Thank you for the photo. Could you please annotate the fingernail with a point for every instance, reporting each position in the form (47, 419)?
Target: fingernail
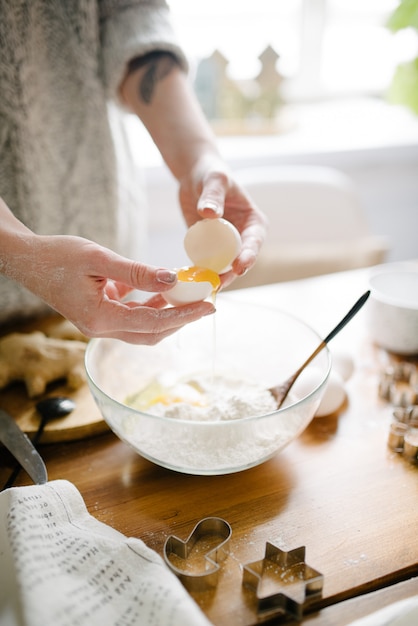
(211, 206)
(166, 276)
(247, 259)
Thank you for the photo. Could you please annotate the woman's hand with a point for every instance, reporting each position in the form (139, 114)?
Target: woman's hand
(209, 192)
(88, 284)
(175, 121)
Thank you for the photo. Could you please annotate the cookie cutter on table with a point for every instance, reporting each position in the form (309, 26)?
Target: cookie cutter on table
(291, 583)
(399, 384)
(403, 432)
(207, 527)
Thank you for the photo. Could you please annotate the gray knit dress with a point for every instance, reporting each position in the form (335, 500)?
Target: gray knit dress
(63, 164)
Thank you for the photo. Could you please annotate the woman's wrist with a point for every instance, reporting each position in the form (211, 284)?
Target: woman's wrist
(16, 245)
(165, 102)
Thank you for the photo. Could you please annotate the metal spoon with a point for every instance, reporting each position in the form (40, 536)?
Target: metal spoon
(50, 408)
(279, 392)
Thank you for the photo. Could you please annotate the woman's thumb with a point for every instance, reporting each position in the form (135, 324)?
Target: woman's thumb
(140, 275)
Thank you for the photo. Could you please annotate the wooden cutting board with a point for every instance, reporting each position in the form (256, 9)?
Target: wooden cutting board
(86, 419)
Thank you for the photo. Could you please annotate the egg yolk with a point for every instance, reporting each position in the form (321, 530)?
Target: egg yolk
(196, 274)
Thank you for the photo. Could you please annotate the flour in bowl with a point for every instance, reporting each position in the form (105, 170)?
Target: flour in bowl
(204, 398)
(208, 425)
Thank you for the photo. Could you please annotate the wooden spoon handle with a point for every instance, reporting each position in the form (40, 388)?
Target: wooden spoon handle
(352, 312)
(280, 392)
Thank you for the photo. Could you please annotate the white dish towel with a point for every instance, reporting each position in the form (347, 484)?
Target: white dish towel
(402, 613)
(59, 566)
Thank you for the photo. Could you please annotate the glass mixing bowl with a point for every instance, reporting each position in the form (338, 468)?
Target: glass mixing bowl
(262, 346)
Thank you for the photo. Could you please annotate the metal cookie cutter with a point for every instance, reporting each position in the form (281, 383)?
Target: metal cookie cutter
(403, 432)
(205, 529)
(283, 583)
(399, 384)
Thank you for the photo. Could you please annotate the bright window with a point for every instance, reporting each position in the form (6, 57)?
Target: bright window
(327, 48)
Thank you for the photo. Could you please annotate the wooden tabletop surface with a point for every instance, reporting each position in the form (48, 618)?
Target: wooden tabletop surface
(338, 489)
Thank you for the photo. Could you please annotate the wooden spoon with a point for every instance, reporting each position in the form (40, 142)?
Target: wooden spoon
(279, 392)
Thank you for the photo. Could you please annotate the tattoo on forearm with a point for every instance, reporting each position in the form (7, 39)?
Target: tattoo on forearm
(158, 65)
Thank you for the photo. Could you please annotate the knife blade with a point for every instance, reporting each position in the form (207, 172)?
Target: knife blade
(19, 444)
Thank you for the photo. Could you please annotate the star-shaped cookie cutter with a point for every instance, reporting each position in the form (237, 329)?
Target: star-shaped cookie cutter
(207, 528)
(283, 582)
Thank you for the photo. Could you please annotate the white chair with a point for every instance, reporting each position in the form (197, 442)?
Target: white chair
(317, 224)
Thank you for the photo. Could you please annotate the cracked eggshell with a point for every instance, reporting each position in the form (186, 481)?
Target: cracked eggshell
(187, 292)
(213, 243)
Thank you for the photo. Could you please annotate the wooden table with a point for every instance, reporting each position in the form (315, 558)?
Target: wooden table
(338, 490)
